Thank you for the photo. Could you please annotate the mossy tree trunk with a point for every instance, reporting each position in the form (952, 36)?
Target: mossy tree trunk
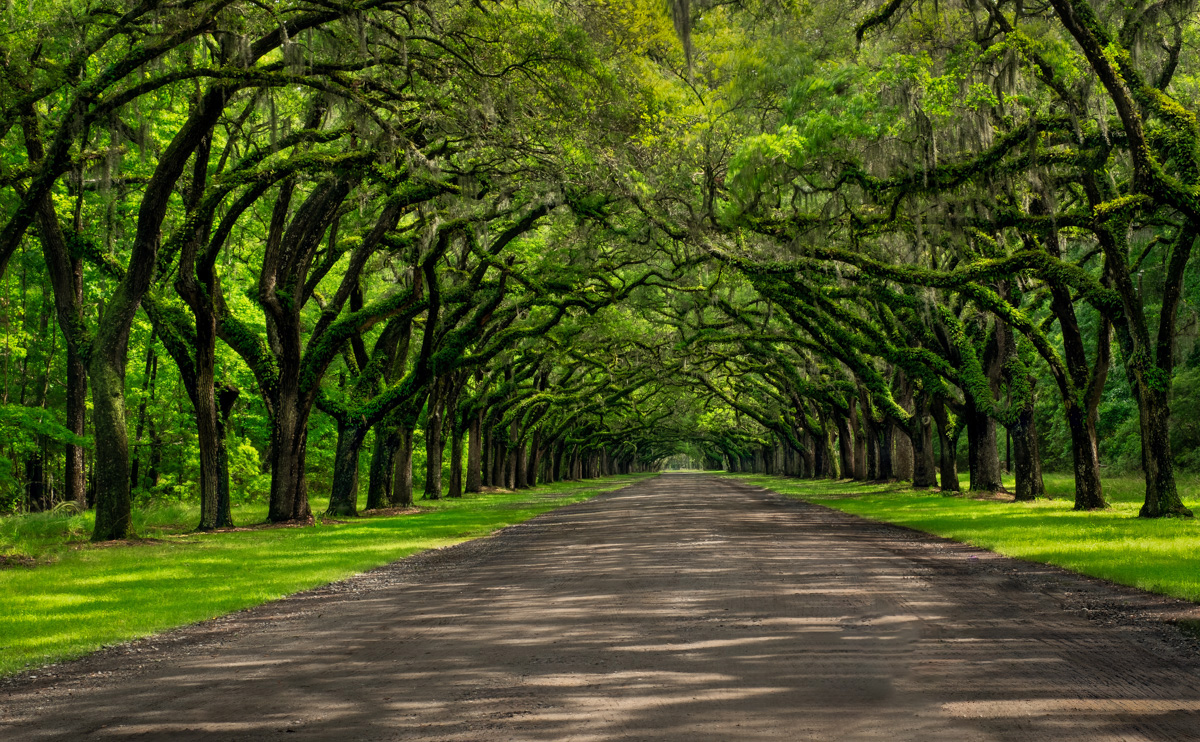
(107, 360)
(402, 492)
(921, 435)
(343, 498)
(948, 433)
(380, 480)
(289, 441)
(475, 448)
(65, 271)
(535, 458)
(434, 444)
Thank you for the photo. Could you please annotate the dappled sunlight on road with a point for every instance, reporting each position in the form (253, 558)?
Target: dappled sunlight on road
(683, 608)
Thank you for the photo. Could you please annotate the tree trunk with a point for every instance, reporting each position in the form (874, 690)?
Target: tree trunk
(433, 453)
(498, 457)
(1088, 492)
(948, 443)
(402, 479)
(456, 461)
(343, 498)
(556, 470)
(485, 466)
(860, 443)
(510, 462)
(1028, 459)
(148, 389)
(208, 439)
(226, 398)
(475, 464)
(383, 455)
(924, 471)
(845, 447)
(535, 459)
(902, 458)
(37, 494)
(75, 489)
(156, 449)
(66, 277)
(289, 444)
(984, 457)
(1080, 388)
(114, 508)
(887, 471)
(1162, 494)
(521, 472)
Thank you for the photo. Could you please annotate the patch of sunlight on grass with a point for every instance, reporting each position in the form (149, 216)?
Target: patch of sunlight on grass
(84, 597)
(1161, 556)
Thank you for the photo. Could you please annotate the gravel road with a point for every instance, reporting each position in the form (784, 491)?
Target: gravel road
(684, 607)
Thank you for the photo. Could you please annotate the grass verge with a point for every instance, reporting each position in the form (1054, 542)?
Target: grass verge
(91, 596)
(1162, 556)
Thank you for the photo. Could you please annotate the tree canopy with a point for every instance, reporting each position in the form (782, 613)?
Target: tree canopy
(253, 249)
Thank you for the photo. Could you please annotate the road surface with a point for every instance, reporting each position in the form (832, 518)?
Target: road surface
(684, 607)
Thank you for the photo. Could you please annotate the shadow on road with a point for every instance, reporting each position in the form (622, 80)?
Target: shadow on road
(681, 608)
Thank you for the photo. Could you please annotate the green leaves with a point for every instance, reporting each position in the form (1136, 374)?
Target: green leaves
(25, 423)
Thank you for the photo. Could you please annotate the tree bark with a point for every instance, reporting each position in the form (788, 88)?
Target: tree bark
(456, 461)
(1088, 493)
(114, 507)
(860, 443)
(948, 442)
(887, 470)
(486, 466)
(510, 462)
(1026, 456)
(289, 442)
(434, 443)
(343, 497)
(475, 454)
(209, 441)
(984, 457)
(1162, 494)
(521, 470)
(148, 389)
(380, 481)
(556, 469)
(499, 458)
(402, 479)
(75, 489)
(535, 459)
(1081, 386)
(227, 397)
(111, 340)
(1153, 391)
(924, 471)
(845, 446)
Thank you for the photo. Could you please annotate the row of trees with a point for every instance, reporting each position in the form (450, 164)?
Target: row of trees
(945, 216)
(376, 212)
(557, 239)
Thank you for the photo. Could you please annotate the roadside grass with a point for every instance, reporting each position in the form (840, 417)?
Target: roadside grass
(1161, 556)
(89, 596)
(41, 537)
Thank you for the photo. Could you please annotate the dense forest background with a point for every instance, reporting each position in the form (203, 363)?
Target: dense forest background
(376, 249)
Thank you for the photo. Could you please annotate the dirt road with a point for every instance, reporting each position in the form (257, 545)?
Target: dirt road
(681, 608)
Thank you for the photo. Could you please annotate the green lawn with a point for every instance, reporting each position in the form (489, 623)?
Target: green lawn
(81, 597)
(1162, 556)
